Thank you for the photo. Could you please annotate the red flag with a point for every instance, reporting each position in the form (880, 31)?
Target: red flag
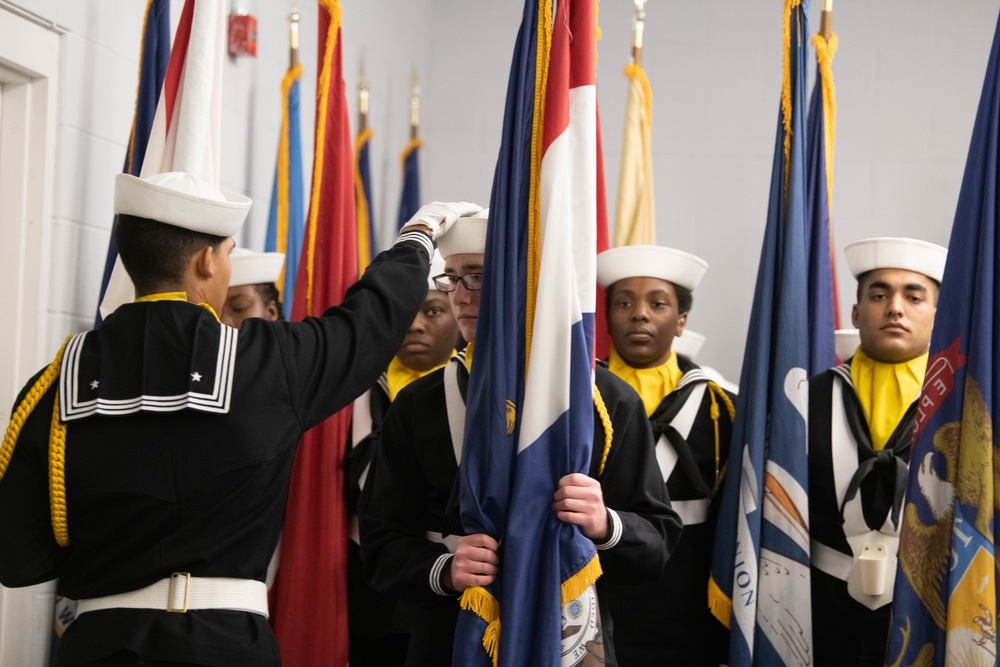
(602, 339)
(309, 597)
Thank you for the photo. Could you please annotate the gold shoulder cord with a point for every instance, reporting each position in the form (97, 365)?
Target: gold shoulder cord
(57, 445)
(713, 391)
(609, 432)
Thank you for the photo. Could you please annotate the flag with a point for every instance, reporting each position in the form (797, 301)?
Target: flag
(309, 596)
(635, 217)
(760, 569)
(285, 218)
(363, 200)
(409, 201)
(530, 414)
(823, 316)
(154, 52)
(602, 338)
(944, 608)
(186, 129)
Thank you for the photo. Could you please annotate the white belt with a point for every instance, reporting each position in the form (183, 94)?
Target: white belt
(181, 592)
(835, 563)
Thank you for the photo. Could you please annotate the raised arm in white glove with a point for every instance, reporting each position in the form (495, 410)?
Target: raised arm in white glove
(438, 216)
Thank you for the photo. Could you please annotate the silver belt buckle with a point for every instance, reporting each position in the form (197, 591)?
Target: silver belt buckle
(174, 577)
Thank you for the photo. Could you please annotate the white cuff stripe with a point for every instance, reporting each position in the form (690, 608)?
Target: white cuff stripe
(443, 561)
(420, 237)
(616, 532)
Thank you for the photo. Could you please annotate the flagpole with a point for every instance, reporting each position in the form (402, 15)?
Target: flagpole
(414, 104)
(638, 28)
(293, 36)
(363, 88)
(825, 19)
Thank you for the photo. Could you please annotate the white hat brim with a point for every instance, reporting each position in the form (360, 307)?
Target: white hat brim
(896, 253)
(846, 342)
(139, 197)
(465, 236)
(688, 344)
(255, 268)
(634, 261)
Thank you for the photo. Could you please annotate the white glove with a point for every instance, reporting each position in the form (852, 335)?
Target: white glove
(440, 216)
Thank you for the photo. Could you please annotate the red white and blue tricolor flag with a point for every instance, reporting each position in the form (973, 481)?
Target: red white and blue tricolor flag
(760, 584)
(530, 412)
(944, 608)
(286, 218)
(153, 56)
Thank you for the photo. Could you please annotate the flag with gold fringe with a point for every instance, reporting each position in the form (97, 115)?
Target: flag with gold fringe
(635, 216)
(285, 220)
(363, 199)
(944, 608)
(409, 200)
(530, 413)
(760, 582)
(309, 597)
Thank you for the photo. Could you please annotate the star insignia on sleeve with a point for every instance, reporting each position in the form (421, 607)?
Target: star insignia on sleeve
(94, 384)
(196, 377)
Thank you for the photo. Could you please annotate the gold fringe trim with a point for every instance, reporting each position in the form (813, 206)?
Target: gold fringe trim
(480, 602)
(284, 159)
(609, 431)
(364, 242)
(825, 50)
(786, 89)
(719, 603)
(637, 73)
(332, 7)
(588, 575)
(542, 56)
(410, 147)
(713, 391)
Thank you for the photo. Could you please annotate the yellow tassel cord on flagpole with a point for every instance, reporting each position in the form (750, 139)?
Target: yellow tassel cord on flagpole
(57, 436)
(534, 201)
(713, 391)
(609, 431)
(825, 50)
(637, 73)
(719, 603)
(284, 160)
(786, 90)
(480, 602)
(333, 9)
(364, 243)
(410, 147)
(135, 107)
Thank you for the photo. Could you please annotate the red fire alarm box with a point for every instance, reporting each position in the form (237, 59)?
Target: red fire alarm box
(242, 35)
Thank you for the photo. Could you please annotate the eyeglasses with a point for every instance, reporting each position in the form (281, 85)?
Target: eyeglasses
(447, 282)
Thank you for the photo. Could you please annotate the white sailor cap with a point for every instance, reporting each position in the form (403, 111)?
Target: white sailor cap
(437, 268)
(651, 261)
(688, 344)
(254, 268)
(846, 342)
(182, 200)
(896, 253)
(466, 235)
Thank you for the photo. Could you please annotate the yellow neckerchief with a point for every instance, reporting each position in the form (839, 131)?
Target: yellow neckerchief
(652, 384)
(468, 358)
(175, 296)
(886, 391)
(398, 375)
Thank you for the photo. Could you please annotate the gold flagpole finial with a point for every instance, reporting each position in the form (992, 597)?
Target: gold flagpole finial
(363, 88)
(638, 28)
(293, 36)
(826, 20)
(414, 103)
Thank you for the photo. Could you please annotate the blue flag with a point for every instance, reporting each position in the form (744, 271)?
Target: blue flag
(819, 149)
(944, 608)
(530, 417)
(760, 569)
(154, 55)
(363, 204)
(409, 201)
(286, 218)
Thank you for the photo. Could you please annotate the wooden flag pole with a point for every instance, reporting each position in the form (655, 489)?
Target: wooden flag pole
(638, 28)
(293, 36)
(826, 20)
(414, 104)
(363, 89)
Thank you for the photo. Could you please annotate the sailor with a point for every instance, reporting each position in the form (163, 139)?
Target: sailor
(253, 289)
(649, 296)
(147, 467)
(412, 541)
(380, 624)
(861, 424)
